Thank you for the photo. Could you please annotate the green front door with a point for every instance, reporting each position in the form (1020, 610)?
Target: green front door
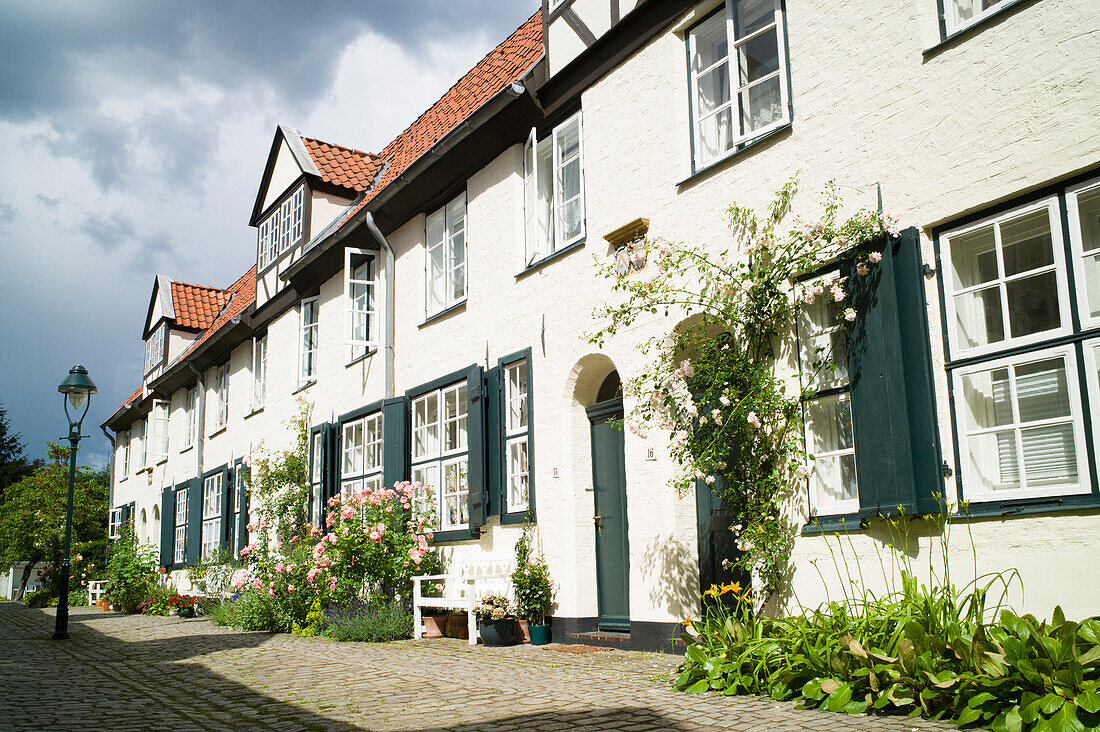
(609, 490)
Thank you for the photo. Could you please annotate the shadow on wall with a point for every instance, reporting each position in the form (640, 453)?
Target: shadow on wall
(670, 565)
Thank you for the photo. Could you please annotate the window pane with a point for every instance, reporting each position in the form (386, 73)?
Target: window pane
(1033, 304)
(1026, 243)
(715, 135)
(834, 480)
(993, 460)
(713, 88)
(973, 258)
(436, 225)
(709, 41)
(569, 180)
(979, 317)
(758, 58)
(988, 399)
(517, 475)
(1050, 457)
(1042, 390)
(761, 105)
(752, 15)
(829, 422)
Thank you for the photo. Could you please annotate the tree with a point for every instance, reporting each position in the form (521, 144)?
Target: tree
(32, 518)
(13, 463)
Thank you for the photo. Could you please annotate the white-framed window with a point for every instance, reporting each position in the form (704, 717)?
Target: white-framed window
(180, 538)
(827, 414)
(160, 431)
(516, 437)
(1007, 280)
(445, 268)
(553, 190)
(1020, 425)
(361, 463)
(738, 76)
(1083, 206)
(114, 523)
(1092, 379)
(440, 456)
(155, 348)
(221, 390)
(125, 439)
(316, 474)
(142, 428)
(360, 292)
(960, 14)
(307, 341)
(211, 513)
(237, 498)
(192, 409)
(282, 228)
(259, 372)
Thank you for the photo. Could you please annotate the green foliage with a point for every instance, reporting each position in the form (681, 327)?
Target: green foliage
(132, 571)
(39, 598)
(377, 619)
(211, 575)
(713, 385)
(78, 597)
(531, 581)
(924, 650)
(13, 461)
(494, 607)
(32, 516)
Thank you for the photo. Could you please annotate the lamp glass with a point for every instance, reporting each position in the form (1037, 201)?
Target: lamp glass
(76, 398)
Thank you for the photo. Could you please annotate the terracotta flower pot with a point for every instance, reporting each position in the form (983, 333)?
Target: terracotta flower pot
(435, 625)
(522, 634)
(457, 626)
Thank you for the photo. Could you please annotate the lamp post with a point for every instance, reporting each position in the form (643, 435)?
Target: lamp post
(78, 389)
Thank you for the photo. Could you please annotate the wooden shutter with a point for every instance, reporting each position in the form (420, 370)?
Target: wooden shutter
(331, 476)
(476, 438)
(889, 366)
(395, 441)
(167, 525)
(495, 454)
(226, 529)
(194, 521)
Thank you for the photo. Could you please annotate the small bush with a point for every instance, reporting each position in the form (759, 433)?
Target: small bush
(38, 598)
(131, 571)
(78, 597)
(374, 620)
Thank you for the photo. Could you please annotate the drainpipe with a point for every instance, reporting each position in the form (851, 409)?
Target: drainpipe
(387, 338)
(200, 421)
(110, 472)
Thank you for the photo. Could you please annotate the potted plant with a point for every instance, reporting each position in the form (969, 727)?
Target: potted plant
(497, 616)
(534, 590)
(435, 619)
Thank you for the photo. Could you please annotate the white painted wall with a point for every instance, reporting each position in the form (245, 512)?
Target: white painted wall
(285, 171)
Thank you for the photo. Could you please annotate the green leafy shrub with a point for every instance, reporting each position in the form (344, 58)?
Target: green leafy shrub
(377, 619)
(531, 581)
(924, 649)
(131, 571)
(78, 597)
(38, 598)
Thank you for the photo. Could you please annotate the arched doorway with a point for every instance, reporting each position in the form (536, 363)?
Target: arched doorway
(609, 496)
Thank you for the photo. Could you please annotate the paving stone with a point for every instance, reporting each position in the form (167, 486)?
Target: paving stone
(139, 672)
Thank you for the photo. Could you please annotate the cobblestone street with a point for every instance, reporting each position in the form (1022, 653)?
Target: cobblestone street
(135, 672)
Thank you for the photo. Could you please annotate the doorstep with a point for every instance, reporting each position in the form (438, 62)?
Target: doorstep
(614, 636)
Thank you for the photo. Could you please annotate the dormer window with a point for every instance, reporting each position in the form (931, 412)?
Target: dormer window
(282, 228)
(154, 348)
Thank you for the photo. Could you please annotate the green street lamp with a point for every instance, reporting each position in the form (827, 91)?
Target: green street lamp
(78, 389)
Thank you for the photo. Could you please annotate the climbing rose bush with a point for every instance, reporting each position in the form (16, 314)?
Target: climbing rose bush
(373, 543)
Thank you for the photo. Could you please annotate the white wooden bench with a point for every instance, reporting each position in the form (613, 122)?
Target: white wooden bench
(97, 590)
(462, 588)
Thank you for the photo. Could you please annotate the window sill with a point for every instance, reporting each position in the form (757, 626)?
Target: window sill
(254, 412)
(835, 524)
(458, 306)
(955, 35)
(217, 432)
(303, 386)
(186, 449)
(551, 257)
(730, 157)
(162, 461)
(370, 352)
(517, 517)
(1025, 506)
(451, 535)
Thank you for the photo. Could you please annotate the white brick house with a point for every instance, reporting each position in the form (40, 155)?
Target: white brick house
(451, 274)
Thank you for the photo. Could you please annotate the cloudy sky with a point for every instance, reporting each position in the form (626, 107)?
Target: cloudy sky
(132, 139)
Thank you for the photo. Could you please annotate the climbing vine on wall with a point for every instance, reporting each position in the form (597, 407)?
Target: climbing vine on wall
(714, 385)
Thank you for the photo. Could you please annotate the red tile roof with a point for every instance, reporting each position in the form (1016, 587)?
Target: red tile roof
(503, 65)
(343, 166)
(242, 294)
(132, 397)
(197, 305)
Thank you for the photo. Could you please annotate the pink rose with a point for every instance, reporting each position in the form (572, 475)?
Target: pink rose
(290, 588)
(874, 257)
(347, 511)
(753, 420)
(849, 315)
(804, 471)
(438, 587)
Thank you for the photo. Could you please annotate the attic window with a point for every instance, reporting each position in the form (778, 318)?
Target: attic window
(282, 229)
(154, 349)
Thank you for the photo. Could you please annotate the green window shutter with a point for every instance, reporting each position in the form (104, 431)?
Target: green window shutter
(226, 531)
(194, 521)
(242, 506)
(167, 525)
(476, 439)
(494, 441)
(395, 441)
(889, 368)
(331, 479)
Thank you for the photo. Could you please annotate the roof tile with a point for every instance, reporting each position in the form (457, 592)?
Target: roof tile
(343, 166)
(197, 305)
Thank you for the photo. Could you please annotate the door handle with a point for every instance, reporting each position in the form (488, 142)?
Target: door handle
(599, 523)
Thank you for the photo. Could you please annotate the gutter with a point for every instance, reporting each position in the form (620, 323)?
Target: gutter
(457, 134)
(110, 468)
(200, 420)
(387, 342)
